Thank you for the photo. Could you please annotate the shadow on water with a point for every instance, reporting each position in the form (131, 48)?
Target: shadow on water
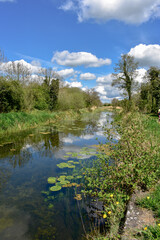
(28, 209)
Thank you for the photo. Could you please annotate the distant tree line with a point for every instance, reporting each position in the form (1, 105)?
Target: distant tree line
(21, 90)
(145, 96)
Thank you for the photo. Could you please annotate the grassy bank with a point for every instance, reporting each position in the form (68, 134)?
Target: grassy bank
(123, 167)
(17, 121)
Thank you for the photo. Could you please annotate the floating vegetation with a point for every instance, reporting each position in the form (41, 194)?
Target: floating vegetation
(12, 150)
(71, 185)
(71, 161)
(64, 182)
(51, 197)
(69, 177)
(45, 133)
(78, 197)
(50, 206)
(69, 153)
(76, 163)
(79, 177)
(31, 135)
(51, 180)
(55, 188)
(45, 192)
(61, 178)
(65, 165)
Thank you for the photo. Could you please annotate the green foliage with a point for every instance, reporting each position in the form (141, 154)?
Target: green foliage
(124, 76)
(150, 91)
(65, 165)
(149, 233)
(152, 202)
(11, 93)
(71, 98)
(122, 167)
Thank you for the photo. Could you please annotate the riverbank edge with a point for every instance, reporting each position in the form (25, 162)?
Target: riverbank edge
(17, 121)
(126, 232)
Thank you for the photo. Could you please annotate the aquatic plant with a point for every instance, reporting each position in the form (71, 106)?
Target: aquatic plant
(65, 165)
(78, 197)
(69, 177)
(76, 163)
(64, 182)
(78, 177)
(51, 180)
(61, 178)
(55, 188)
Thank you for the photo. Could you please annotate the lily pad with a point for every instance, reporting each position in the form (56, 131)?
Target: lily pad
(61, 178)
(78, 177)
(51, 180)
(76, 163)
(55, 188)
(69, 177)
(65, 165)
(69, 153)
(64, 182)
(78, 197)
(50, 205)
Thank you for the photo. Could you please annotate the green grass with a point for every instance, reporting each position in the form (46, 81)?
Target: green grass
(22, 120)
(16, 121)
(152, 202)
(151, 233)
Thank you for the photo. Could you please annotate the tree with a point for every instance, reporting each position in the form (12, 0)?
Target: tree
(11, 95)
(154, 79)
(125, 73)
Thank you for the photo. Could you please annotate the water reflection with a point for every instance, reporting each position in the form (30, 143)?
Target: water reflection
(27, 160)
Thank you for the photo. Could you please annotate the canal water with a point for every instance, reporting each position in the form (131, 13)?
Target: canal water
(29, 210)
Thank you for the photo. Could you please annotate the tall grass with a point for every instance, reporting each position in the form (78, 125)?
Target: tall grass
(14, 121)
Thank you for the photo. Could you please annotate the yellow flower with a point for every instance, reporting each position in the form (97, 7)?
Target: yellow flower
(159, 224)
(148, 197)
(117, 203)
(145, 228)
(109, 212)
(104, 215)
(111, 195)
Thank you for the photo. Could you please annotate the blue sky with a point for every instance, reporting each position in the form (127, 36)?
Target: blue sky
(82, 39)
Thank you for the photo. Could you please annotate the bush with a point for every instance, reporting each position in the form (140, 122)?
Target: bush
(11, 93)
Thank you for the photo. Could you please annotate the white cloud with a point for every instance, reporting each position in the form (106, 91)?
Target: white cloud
(75, 59)
(73, 84)
(66, 73)
(87, 76)
(69, 5)
(101, 90)
(140, 76)
(146, 55)
(9, 65)
(107, 79)
(134, 12)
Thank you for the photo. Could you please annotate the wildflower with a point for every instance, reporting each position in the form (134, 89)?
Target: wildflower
(104, 215)
(159, 224)
(148, 197)
(109, 212)
(111, 195)
(145, 228)
(117, 203)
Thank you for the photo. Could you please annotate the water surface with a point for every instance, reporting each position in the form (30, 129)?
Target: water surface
(28, 210)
